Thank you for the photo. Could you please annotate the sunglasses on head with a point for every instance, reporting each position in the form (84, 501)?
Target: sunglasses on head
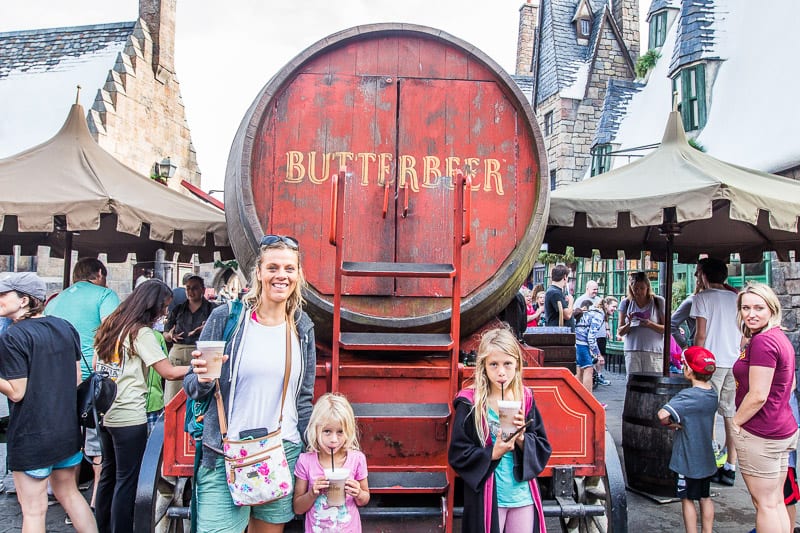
(291, 242)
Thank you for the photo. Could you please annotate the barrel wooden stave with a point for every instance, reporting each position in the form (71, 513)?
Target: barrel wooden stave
(646, 444)
(417, 93)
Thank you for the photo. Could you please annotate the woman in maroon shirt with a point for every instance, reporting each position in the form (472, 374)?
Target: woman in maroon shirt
(764, 428)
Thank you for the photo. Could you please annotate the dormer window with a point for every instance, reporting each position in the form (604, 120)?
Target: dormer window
(690, 84)
(582, 19)
(584, 28)
(658, 30)
(601, 160)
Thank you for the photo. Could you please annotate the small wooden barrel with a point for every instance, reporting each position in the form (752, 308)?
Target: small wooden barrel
(646, 444)
(401, 108)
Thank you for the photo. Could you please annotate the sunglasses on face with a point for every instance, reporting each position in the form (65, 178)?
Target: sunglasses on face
(291, 242)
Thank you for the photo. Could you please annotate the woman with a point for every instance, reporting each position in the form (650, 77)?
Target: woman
(641, 319)
(605, 307)
(764, 428)
(255, 370)
(126, 347)
(39, 369)
(536, 310)
(183, 327)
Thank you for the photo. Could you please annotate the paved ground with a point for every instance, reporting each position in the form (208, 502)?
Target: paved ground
(734, 510)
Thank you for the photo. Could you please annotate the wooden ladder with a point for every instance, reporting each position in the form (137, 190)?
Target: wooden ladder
(413, 474)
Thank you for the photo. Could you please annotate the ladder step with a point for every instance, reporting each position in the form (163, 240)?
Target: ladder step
(401, 410)
(398, 270)
(398, 342)
(417, 482)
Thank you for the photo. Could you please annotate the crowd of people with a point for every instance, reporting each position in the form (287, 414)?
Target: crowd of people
(738, 360)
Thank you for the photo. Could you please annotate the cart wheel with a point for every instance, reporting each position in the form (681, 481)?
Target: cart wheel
(609, 491)
(156, 494)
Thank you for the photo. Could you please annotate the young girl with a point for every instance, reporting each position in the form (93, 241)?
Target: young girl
(498, 475)
(331, 432)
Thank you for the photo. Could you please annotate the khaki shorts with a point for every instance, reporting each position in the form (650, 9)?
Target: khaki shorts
(764, 458)
(725, 385)
(637, 362)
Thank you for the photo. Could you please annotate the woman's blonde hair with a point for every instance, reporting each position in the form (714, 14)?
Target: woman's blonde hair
(253, 297)
(603, 303)
(332, 407)
(494, 340)
(768, 295)
(639, 277)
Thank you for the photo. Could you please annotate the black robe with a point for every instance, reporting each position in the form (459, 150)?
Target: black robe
(472, 460)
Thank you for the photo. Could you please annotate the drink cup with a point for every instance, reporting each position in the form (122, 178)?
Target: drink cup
(507, 410)
(337, 479)
(211, 352)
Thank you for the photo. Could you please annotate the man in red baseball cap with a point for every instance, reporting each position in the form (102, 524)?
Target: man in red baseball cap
(691, 414)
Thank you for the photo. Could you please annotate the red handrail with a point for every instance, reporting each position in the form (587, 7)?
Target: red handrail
(467, 192)
(334, 205)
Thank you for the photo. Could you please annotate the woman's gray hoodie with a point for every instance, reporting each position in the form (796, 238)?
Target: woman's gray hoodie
(213, 331)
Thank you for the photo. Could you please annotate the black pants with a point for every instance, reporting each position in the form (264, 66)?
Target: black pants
(123, 449)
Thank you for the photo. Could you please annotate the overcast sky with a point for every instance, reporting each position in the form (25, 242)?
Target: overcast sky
(226, 51)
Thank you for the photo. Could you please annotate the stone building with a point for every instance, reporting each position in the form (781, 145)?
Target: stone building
(730, 67)
(127, 74)
(129, 86)
(568, 52)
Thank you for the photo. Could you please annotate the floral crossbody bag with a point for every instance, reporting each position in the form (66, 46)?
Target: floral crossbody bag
(256, 469)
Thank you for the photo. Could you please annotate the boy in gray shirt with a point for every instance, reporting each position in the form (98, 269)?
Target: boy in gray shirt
(691, 414)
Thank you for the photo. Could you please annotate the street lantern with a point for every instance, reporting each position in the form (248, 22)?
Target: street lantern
(165, 169)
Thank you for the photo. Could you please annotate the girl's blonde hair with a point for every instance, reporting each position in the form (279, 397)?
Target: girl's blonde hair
(332, 407)
(494, 340)
(253, 297)
(768, 295)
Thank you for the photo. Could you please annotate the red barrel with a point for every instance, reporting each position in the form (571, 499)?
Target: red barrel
(408, 106)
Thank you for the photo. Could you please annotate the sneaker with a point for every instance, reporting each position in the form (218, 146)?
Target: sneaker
(603, 405)
(68, 520)
(601, 379)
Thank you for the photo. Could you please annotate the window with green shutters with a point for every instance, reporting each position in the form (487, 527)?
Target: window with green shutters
(690, 84)
(601, 161)
(658, 30)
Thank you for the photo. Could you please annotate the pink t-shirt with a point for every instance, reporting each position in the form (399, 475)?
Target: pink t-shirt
(321, 518)
(771, 349)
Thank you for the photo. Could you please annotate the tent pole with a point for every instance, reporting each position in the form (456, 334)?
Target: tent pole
(668, 303)
(67, 259)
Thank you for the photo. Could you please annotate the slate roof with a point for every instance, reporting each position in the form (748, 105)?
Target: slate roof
(696, 37)
(22, 51)
(658, 5)
(39, 72)
(615, 107)
(560, 56)
(525, 84)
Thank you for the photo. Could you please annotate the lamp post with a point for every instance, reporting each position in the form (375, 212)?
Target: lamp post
(164, 170)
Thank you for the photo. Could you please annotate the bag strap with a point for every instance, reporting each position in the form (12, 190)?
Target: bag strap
(223, 421)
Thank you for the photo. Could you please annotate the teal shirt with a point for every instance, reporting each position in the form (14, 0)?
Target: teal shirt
(84, 305)
(510, 492)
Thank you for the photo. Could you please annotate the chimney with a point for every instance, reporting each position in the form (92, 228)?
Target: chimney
(526, 39)
(626, 15)
(159, 15)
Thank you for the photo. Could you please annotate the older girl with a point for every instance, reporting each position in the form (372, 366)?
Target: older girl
(255, 372)
(764, 428)
(500, 490)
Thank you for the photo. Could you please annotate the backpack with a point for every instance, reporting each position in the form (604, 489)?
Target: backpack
(196, 409)
(516, 315)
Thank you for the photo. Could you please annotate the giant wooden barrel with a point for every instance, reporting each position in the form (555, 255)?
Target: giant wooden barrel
(646, 444)
(408, 105)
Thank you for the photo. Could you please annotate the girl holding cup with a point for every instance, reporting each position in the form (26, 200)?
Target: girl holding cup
(499, 472)
(332, 442)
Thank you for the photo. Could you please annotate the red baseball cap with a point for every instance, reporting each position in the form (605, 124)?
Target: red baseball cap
(700, 360)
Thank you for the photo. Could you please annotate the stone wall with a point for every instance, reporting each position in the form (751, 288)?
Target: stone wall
(139, 116)
(526, 38)
(786, 283)
(626, 15)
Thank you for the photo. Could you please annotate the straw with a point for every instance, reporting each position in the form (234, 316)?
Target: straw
(502, 391)
(332, 465)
